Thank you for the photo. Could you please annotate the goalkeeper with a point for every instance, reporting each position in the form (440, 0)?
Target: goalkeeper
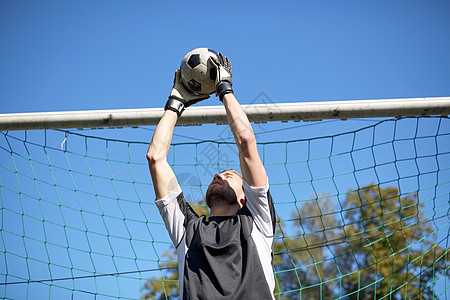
(228, 256)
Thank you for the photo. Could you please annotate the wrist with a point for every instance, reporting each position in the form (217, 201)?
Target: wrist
(175, 104)
(223, 88)
(228, 97)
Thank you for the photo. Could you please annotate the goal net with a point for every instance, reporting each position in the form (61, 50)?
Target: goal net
(362, 209)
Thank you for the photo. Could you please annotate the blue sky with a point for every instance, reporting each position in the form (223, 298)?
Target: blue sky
(86, 55)
(76, 55)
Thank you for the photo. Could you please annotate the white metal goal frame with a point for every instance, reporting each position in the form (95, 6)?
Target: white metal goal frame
(259, 113)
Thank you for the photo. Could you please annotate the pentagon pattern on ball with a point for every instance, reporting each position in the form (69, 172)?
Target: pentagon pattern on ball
(197, 72)
(194, 60)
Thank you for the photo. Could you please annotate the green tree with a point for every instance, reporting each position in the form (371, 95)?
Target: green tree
(392, 249)
(377, 244)
(303, 262)
(165, 287)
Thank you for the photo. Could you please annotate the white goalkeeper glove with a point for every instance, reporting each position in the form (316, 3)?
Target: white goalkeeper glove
(180, 97)
(223, 78)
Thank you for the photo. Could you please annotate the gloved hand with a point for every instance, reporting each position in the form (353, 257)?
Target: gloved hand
(180, 97)
(223, 79)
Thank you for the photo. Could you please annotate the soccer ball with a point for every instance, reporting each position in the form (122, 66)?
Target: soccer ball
(197, 72)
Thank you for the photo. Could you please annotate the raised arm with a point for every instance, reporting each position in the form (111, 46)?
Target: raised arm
(163, 177)
(252, 169)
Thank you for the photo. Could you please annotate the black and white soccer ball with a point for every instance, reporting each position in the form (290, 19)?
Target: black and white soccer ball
(197, 72)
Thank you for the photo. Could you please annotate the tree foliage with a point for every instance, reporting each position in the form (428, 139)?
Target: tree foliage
(376, 243)
(391, 248)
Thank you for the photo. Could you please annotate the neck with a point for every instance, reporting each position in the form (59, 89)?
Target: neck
(224, 210)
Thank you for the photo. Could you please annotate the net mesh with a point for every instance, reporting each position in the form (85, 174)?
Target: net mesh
(361, 214)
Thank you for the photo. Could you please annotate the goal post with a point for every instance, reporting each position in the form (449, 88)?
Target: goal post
(260, 113)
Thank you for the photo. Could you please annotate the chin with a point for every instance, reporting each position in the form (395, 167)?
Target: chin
(220, 195)
(213, 188)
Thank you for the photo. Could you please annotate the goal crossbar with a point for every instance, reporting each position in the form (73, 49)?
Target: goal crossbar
(258, 113)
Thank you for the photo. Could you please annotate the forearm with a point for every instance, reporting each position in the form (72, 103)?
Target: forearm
(239, 124)
(159, 146)
(163, 178)
(252, 169)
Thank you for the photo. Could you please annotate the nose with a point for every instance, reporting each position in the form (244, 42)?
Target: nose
(217, 177)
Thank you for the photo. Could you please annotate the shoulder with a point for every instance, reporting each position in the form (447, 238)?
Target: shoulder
(260, 204)
(174, 205)
(173, 195)
(254, 193)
